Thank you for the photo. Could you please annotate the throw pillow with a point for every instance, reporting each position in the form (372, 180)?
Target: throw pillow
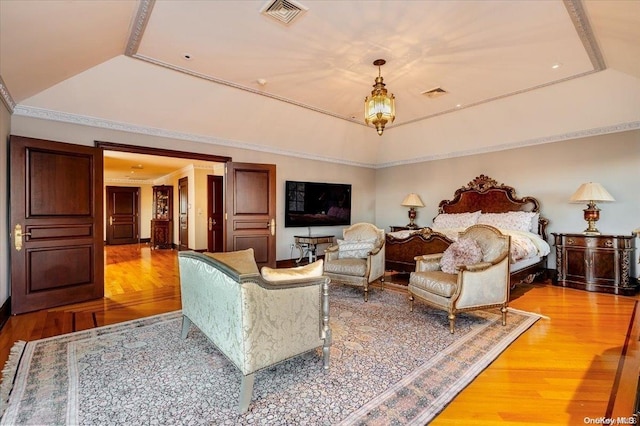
(311, 270)
(456, 220)
(463, 252)
(242, 261)
(355, 249)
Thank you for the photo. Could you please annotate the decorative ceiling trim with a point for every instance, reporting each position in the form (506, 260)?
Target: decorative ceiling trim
(7, 100)
(138, 26)
(44, 114)
(583, 28)
(622, 127)
(574, 8)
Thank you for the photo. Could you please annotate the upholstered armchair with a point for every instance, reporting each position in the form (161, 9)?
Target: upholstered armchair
(256, 320)
(357, 259)
(473, 273)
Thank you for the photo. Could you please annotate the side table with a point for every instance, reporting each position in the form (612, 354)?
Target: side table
(595, 262)
(307, 244)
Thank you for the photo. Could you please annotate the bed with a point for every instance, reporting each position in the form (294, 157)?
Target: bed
(483, 200)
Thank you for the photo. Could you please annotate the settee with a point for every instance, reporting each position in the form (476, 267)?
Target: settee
(256, 320)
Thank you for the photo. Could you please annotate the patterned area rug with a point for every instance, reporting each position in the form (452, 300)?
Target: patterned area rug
(388, 366)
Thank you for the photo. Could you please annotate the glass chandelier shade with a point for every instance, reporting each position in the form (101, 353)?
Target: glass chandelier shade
(380, 107)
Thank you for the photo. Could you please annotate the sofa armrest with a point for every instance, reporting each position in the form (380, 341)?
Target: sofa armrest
(428, 262)
(292, 283)
(476, 267)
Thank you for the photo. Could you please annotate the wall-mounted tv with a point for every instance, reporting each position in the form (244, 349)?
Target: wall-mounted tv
(317, 204)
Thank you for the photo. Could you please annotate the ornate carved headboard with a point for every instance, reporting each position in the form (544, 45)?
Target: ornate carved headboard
(487, 195)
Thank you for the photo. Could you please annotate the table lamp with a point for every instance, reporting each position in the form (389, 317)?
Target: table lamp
(412, 201)
(591, 193)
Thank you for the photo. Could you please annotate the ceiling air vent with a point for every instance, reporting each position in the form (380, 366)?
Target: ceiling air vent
(283, 11)
(435, 92)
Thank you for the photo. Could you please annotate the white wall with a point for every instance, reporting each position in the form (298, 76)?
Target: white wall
(5, 128)
(550, 172)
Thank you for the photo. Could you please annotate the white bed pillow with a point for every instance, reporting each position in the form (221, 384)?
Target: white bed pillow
(456, 220)
(517, 221)
(355, 249)
(535, 222)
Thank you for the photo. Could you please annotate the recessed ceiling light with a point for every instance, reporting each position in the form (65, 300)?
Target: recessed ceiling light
(556, 66)
(261, 81)
(458, 105)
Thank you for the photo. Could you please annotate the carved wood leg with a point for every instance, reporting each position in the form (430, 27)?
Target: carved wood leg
(410, 302)
(325, 326)
(504, 315)
(452, 322)
(382, 282)
(246, 390)
(186, 323)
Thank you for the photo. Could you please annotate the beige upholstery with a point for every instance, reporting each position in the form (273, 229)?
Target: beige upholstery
(358, 271)
(478, 286)
(254, 322)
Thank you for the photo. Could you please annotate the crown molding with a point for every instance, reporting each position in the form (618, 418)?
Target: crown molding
(583, 28)
(7, 100)
(138, 26)
(46, 114)
(129, 181)
(622, 127)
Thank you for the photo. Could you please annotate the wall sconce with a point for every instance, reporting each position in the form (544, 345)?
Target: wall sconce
(412, 200)
(590, 193)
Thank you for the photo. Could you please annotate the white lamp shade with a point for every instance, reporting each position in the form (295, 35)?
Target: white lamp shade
(412, 200)
(591, 192)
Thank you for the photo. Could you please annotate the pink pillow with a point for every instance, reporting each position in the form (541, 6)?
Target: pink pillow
(463, 252)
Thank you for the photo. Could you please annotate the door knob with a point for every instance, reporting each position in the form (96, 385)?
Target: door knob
(17, 237)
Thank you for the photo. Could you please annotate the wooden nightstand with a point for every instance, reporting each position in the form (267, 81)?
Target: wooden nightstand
(595, 262)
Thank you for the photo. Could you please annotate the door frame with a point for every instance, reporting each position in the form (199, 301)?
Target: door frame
(215, 208)
(161, 152)
(183, 231)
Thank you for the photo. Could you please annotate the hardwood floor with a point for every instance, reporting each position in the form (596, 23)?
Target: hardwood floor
(579, 362)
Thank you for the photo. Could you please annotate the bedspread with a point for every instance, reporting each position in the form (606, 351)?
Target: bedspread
(524, 245)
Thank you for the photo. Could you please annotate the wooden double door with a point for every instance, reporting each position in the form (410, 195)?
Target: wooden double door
(56, 219)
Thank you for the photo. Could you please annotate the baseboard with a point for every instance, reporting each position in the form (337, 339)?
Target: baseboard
(5, 312)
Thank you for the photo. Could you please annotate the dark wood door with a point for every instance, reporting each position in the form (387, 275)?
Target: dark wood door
(123, 215)
(56, 210)
(215, 213)
(183, 213)
(251, 210)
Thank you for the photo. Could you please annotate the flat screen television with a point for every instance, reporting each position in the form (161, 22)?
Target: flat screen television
(317, 204)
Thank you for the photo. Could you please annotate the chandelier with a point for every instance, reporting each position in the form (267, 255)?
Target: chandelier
(379, 108)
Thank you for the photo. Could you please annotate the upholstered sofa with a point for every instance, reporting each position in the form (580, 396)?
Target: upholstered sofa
(256, 320)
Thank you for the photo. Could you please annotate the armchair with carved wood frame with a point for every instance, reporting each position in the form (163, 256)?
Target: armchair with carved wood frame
(358, 259)
(476, 286)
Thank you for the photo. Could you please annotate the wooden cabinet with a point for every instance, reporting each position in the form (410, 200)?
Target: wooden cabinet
(595, 262)
(162, 217)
